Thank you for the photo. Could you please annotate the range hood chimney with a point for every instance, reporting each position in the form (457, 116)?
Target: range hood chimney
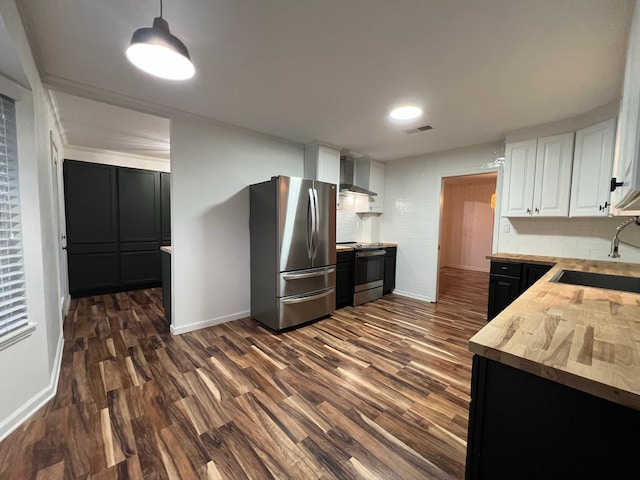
(348, 178)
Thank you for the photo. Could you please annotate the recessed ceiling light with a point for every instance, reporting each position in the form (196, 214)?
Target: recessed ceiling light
(407, 112)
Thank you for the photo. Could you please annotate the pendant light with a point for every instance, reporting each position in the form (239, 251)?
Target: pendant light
(155, 51)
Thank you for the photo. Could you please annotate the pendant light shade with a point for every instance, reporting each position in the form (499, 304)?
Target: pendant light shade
(155, 51)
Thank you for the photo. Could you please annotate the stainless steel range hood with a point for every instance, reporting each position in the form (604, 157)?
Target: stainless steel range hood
(348, 178)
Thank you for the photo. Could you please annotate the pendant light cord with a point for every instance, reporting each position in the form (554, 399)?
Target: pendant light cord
(160, 8)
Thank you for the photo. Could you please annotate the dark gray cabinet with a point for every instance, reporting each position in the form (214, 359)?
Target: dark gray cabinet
(523, 427)
(165, 208)
(389, 270)
(344, 278)
(508, 280)
(91, 203)
(114, 227)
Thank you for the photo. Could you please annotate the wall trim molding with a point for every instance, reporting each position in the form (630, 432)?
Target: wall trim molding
(22, 414)
(178, 330)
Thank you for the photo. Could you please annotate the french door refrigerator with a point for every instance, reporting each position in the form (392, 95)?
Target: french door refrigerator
(293, 251)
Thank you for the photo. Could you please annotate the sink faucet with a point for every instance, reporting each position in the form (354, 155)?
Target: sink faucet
(614, 243)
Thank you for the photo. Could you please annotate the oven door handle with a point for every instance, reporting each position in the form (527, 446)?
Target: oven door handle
(371, 253)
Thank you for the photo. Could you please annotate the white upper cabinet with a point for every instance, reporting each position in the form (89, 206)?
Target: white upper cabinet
(592, 165)
(552, 184)
(627, 161)
(538, 177)
(370, 174)
(519, 171)
(322, 162)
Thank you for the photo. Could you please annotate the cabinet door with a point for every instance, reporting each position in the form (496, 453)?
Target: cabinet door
(140, 268)
(389, 271)
(519, 171)
(628, 144)
(344, 285)
(531, 273)
(552, 184)
(328, 165)
(91, 203)
(139, 205)
(502, 291)
(93, 271)
(592, 170)
(165, 208)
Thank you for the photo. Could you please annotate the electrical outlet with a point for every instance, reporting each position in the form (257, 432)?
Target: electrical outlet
(506, 228)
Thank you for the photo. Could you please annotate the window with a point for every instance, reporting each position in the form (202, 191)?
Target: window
(14, 323)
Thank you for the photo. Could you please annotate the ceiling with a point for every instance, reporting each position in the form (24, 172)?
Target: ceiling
(331, 70)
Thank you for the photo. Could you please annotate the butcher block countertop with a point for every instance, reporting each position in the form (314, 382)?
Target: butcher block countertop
(583, 337)
(343, 248)
(166, 249)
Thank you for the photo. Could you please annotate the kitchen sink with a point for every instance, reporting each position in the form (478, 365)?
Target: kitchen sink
(599, 280)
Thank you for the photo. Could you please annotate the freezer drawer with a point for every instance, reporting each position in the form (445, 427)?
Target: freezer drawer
(304, 308)
(302, 281)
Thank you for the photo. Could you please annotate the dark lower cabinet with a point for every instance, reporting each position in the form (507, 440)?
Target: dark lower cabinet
(140, 268)
(508, 280)
(389, 270)
(114, 227)
(93, 272)
(344, 278)
(523, 427)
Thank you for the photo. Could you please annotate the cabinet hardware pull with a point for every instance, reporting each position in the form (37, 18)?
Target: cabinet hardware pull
(606, 204)
(528, 210)
(615, 184)
(537, 210)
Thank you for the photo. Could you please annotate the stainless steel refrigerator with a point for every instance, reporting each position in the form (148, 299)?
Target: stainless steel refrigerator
(293, 251)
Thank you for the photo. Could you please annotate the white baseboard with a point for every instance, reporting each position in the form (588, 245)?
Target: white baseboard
(177, 330)
(32, 405)
(66, 302)
(413, 295)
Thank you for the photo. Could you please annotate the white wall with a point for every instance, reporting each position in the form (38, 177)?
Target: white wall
(211, 168)
(29, 369)
(412, 211)
(116, 158)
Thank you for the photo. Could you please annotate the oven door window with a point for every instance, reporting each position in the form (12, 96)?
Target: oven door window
(369, 268)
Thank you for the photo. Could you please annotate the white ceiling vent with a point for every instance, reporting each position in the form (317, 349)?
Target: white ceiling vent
(420, 129)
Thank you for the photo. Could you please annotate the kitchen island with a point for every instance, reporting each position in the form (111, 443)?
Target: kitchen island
(556, 381)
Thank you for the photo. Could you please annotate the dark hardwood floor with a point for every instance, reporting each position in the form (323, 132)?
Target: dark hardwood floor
(377, 391)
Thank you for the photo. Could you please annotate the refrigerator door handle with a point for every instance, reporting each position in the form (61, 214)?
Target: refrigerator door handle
(291, 301)
(311, 215)
(312, 233)
(317, 229)
(299, 276)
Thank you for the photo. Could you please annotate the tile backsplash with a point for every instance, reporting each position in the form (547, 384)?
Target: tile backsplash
(588, 238)
(352, 226)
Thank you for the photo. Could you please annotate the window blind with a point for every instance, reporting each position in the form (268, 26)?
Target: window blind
(13, 302)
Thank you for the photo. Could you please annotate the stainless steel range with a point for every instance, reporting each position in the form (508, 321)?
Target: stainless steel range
(368, 272)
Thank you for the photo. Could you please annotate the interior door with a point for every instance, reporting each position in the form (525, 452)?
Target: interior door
(325, 235)
(295, 221)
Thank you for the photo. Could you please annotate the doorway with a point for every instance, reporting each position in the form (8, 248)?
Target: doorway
(466, 237)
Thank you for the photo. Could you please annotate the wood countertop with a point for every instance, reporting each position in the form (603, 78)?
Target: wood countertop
(166, 249)
(583, 337)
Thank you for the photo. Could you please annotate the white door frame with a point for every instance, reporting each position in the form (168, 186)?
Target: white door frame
(496, 212)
